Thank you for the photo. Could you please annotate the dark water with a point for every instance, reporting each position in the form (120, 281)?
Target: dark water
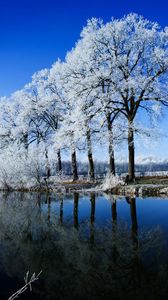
(88, 246)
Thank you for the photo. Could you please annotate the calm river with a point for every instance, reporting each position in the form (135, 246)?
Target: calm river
(88, 246)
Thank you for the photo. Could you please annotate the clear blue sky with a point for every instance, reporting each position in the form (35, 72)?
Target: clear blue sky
(34, 33)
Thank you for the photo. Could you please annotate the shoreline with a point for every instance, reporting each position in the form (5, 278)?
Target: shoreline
(126, 190)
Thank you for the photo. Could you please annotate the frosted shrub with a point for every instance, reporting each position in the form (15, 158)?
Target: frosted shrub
(59, 177)
(111, 182)
(18, 170)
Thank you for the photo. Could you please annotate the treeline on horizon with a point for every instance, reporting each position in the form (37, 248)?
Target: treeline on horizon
(102, 168)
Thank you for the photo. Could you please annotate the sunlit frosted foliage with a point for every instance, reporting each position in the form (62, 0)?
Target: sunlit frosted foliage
(116, 73)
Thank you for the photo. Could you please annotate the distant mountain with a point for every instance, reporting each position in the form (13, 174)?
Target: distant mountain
(143, 164)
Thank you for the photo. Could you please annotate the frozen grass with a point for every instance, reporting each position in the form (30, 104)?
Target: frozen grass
(111, 182)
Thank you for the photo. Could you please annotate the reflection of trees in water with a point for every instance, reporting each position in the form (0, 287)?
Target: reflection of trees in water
(76, 200)
(107, 264)
(114, 210)
(133, 213)
(92, 216)
(61, 209)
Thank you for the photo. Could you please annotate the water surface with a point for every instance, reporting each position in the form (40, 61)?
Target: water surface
(88, 245)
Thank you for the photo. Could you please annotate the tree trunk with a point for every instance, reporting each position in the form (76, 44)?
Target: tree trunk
(38, 165)
(90, 157)
(74, 165)
(131, 153)
(59, 161)
(111, 147)
(24, 140)
(48, 171)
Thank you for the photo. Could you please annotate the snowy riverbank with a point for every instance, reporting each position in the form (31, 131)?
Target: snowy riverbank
(66, 187)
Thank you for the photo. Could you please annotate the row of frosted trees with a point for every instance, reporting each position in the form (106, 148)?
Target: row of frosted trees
(115, 73)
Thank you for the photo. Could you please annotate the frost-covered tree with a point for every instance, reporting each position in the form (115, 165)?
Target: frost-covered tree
(44, 113)
(115, 73)
(90, 70)
(14, 119)
(68, 136)
(138, 50)
(84, 109)
(128, 64)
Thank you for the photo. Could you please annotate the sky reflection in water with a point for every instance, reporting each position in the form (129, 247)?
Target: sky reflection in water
(88, 245)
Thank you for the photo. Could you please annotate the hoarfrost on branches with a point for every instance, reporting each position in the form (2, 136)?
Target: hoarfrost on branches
(116, 73)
